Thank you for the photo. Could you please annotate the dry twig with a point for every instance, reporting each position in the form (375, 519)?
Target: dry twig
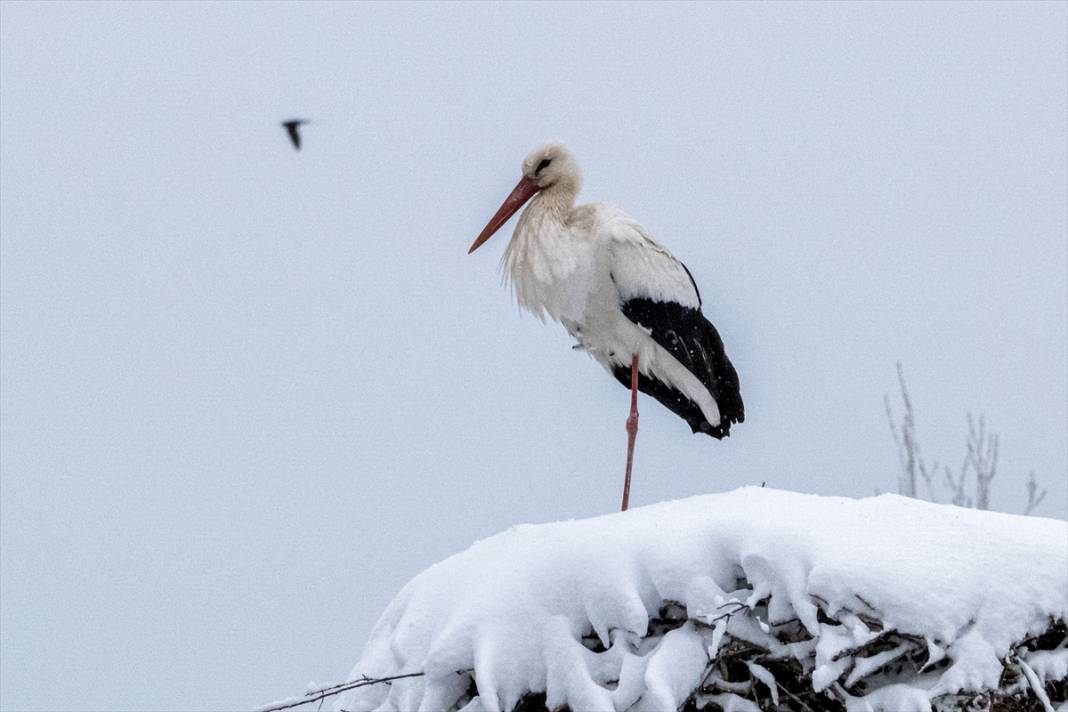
(323, 693)
(1034, 497)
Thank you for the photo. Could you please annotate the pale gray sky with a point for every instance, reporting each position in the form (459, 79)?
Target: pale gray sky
(248, 393)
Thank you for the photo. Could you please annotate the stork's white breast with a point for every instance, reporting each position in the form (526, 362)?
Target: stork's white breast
(556, 269)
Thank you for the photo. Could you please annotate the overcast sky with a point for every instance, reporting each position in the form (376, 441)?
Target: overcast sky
(247, 393)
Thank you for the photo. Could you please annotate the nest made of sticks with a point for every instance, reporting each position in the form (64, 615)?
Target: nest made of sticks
(761, 665)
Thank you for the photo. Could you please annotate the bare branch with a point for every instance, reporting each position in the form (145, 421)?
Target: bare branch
(908, 450)
(982, 449)
(321, 694)
(1034, 497)
(983, 454)
(794, 697)
(928, 477)
(956, 487)
(893, 430)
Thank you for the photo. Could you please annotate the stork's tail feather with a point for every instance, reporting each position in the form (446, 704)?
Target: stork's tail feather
(724, 384)
(731, 411)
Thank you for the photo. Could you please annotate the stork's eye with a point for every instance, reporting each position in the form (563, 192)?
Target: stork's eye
(541, 166)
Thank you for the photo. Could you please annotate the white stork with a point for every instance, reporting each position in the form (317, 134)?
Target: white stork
(624, 298)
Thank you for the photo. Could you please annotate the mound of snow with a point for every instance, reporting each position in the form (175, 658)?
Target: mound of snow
(752, 599)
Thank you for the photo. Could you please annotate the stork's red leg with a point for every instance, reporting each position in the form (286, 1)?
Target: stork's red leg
(632, 427)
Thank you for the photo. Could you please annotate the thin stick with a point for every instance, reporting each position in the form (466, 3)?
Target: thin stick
(792, 696)
(336, 690)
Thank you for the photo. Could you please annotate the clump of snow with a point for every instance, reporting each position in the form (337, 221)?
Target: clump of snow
(879, 603)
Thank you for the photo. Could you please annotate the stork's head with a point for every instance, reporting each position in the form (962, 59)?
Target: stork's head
(551, 169)
(553, 166)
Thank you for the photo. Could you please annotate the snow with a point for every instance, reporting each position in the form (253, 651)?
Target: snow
(1049, 664)
(626, 610)
(765, 676)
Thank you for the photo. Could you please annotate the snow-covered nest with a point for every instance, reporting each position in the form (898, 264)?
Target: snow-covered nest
(754, 599)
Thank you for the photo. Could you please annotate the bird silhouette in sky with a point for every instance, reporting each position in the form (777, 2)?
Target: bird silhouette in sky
(293, 129)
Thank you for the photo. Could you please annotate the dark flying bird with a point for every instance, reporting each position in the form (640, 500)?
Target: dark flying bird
(624, 298)
(293, 129)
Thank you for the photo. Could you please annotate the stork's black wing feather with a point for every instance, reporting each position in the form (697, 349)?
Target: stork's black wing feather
(692, 339)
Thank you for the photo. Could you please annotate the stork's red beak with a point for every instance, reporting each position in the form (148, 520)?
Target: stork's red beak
(515, 200)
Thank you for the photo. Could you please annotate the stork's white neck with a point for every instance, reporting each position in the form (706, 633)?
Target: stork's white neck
(542, 225)
(556, 201)
(543, 253)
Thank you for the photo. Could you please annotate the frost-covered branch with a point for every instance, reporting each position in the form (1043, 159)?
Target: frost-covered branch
(752, 660)
(1033, 682)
